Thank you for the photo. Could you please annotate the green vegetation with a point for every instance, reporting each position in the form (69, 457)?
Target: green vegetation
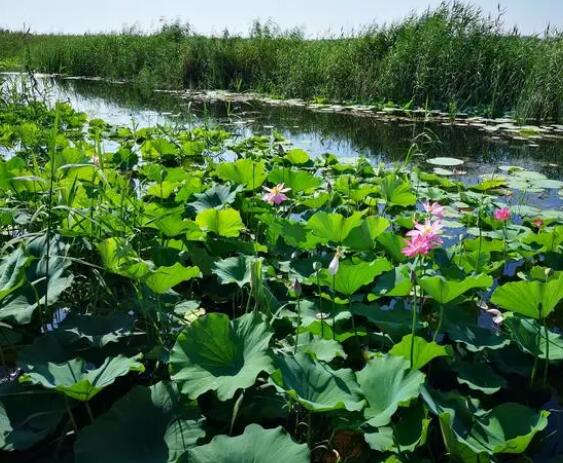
(452, 58)
(159, 303)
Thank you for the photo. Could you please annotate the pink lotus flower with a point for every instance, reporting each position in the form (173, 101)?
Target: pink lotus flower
(428, 230)
(434, 209)
(418, 245)
(423, 238)
(502, 214)
(275, 195)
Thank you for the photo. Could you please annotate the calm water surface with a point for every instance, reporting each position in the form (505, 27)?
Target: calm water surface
(318, 133)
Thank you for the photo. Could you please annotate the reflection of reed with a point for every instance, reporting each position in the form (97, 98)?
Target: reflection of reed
(344, 135)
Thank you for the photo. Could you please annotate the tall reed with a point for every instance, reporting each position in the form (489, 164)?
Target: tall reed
(451, 58)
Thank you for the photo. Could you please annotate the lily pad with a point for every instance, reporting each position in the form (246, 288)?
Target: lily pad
(445, 161)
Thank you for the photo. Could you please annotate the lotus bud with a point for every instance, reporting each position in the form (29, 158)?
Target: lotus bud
(296, 287)
(334, 264)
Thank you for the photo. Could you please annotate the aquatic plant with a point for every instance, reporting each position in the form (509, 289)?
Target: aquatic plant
(153, 307)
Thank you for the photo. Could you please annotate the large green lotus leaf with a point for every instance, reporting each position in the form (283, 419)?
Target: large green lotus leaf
(397, 192)
(74, 379)
(396, 282)
(423, 351)
(444, 290)
(533, 299)
(333, 227)
(315, 385)
(233, 270)
(296, 179)
(158, 147)
(310, 312)
(98, 330)
(392, 244)
(21, 301)
(351, 277)
(162, 279)
(216, 197)
(406, 435)
(119, 257)
(387, 383)
(479, 377)
(162, 190)
(315, 201)
(549, 240)
(396, 322)
(297, 156)
(530, 336)
(293, 233)
(225, 222)
(462, 326)
(243, 172)
(147, 425)
(508, 428)
(325, 350)
(216, 354)
(27, 415)
(362, 238)
(12, 271)
(456, 448)
(256, 445)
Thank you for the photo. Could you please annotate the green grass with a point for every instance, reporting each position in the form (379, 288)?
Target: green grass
(450, 57)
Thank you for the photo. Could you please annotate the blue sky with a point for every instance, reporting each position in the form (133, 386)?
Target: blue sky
(317, 17)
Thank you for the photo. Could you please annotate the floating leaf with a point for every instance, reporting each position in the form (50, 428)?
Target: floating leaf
(444, 161)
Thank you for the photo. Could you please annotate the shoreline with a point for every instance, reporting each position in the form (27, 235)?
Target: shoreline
(498, 128)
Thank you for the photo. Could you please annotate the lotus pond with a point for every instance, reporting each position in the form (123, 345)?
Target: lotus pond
(173, 294)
